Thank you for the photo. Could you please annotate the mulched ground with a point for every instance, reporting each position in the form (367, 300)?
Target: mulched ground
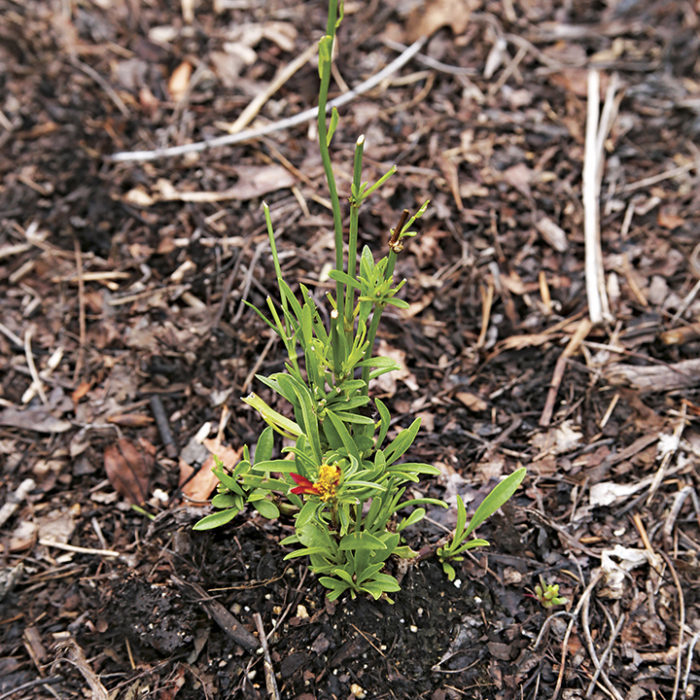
(122, 317)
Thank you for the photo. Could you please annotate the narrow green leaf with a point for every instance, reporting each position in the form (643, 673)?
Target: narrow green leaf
(495, 499)
(331, 127)
(402, 442)
(461, 519)
(344, 277)
(417, 515)
(449, 570)
(209, 522)
(346, 438)
(384, 422)
(283, 466)
(360, 540)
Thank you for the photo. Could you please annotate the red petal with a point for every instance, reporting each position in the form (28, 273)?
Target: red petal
(302, 481)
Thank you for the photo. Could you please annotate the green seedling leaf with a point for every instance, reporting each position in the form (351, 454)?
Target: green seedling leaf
(402, 442)
(344, 277)
(267, 509)
(283, 466)
(209, 522)
(266, 443)
(366, 190)
(360, 540)
(417, 515)
(345, 437)
(498, 496)
(449, 571)
(280, 423)
(384, 421)
(226, 500)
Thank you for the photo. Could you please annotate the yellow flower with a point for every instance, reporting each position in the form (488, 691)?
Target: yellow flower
(324, 487)
(328, 481)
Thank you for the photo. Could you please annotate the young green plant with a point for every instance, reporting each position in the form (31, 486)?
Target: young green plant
(338, 475)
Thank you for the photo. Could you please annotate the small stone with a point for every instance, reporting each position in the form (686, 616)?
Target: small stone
(358, 691)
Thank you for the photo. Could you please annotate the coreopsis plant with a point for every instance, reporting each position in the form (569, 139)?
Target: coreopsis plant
(337, 474)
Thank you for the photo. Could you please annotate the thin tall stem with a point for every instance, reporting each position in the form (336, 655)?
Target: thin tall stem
(325, 58)
(355, 201)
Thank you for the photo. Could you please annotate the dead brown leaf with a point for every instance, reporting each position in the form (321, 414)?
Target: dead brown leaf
(426, 19)
(200, 485)
(37, 419)
(668, 220)
(228, 455)
(472, 401)
(128, 469)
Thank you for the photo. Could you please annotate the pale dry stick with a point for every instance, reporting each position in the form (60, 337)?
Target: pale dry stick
(251, 134)
(681, 622)
(51, 364)
(486, 302)
(257, 103)
(678, 501)
(689, 663)
(508, 71)
(248, 281)
(14, 499)
(79, 550)
(694, 264)
(582, 330)
(598, 307)
(659, 177)
(270, 680)
(81, 311)
(261, 358)
(545, 625)
(608, 412)
(598, 663)
(36, 379)
(661, 472)
(607, 117)
(565, 642)
(12, 337)
(615, 632)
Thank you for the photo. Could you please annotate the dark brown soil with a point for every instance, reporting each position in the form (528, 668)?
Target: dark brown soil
(122, 286)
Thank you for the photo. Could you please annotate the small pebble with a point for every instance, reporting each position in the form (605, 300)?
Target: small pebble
(358, 691)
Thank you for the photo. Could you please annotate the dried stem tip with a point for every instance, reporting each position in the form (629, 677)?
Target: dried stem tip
(395, 242)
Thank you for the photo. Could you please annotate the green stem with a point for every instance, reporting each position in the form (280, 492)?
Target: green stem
(352, 234)
(325, 60)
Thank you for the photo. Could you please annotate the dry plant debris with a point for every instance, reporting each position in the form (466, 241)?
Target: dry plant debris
(123, 288)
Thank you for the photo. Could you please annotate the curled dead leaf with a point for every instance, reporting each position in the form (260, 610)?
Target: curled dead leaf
(128, 469)
(426, 19)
